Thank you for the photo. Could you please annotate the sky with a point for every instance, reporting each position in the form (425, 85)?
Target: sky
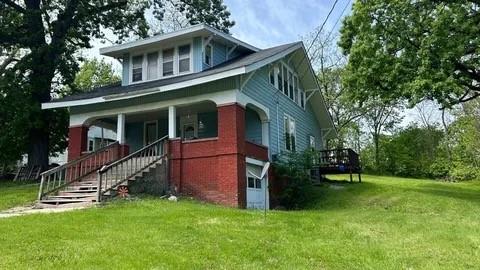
(268, 23)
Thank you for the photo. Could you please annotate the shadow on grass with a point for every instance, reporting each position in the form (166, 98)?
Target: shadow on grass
(448, 192)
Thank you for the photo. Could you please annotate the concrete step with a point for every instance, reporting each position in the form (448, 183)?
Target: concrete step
(75, 196)
(41, 205)
(71, 192)
(63, 201)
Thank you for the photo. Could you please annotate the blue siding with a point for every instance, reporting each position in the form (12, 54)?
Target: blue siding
(197, 54)
(253, 127)
(125, 69)
(219, 53)
(262, 91)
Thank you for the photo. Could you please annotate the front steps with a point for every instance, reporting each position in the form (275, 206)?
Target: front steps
(84, 192)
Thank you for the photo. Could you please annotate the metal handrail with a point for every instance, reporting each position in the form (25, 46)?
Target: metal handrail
(59, 177)
(112, 175)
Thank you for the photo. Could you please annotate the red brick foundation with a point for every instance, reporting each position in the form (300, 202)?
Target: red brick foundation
(213, 169)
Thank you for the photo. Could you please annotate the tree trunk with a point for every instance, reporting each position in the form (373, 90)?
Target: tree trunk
(377, 151)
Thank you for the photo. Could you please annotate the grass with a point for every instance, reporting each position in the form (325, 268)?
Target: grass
(16, 194)
(383, 223)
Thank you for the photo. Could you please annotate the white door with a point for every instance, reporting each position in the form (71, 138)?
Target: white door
(256, 188)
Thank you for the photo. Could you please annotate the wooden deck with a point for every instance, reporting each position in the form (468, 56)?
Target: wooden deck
(338, 161)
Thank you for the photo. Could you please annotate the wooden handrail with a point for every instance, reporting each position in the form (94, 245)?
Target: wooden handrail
(59, 177)
(112, 175)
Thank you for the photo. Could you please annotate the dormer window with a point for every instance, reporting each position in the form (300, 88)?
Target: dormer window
(168, 62)
(208, 55)
(152, 66)
(184, 58)
(137, 63)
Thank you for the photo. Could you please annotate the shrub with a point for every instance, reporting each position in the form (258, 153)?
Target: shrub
(294, 169)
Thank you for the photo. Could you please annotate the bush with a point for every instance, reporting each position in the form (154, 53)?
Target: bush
(294, 170)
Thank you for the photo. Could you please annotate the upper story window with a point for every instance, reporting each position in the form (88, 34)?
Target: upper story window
(137, 70)
(167, 56)
(284, 79)
(152, 66)
(184, 58)
(290, 132)
(207, 59)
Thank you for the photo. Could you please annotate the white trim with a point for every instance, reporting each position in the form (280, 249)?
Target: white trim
(149, 91)
(231, 50)
(273, 58)
(246, 80)
(118, 50)
(145, 123)
(254, 161)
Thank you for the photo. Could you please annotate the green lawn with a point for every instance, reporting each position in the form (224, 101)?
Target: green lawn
(16, 194)
(383, 223)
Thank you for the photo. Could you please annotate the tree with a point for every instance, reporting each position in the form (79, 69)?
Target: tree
(415, 50)
(177, 14)
(329, 63)
(43, 37)
(95, 73)
(379, 118)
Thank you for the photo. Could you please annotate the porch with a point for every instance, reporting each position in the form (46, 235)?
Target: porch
(208, 145)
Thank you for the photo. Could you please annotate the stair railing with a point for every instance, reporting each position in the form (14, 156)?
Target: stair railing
(61, 176)
(112, 175)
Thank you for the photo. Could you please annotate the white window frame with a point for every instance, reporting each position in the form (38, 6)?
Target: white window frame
(145, 130)
(278, 70)
(190, 57)
(159, 50)
(310, 137)
(205, 55)
(290, 119)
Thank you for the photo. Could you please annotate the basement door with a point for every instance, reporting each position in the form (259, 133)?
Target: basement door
(255, 188)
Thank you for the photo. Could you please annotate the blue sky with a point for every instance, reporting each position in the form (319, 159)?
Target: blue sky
(266, 23)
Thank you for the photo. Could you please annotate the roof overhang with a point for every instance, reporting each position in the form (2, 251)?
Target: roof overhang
(203, 30)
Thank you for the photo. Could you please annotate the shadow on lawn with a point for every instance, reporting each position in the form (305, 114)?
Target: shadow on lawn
(449, 192)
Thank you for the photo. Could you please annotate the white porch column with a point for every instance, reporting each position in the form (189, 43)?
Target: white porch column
(121, 128)
(265, 132)
(172, 125)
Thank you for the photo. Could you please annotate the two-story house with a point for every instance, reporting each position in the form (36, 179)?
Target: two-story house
(212, 108)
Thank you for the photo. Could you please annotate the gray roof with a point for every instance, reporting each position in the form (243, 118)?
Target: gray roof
(239, 62)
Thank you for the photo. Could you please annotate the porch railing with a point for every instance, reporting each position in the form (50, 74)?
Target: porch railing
(346, 159)
(59, 177)
(120, 171)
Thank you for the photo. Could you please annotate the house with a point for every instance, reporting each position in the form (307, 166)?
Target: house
(221, 108)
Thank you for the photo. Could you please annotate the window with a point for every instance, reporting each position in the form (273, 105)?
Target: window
(302, 98)
(208, 55)
(290, 85)
(253, 182)
(289, 129)
(168, 62)
(295, 89)
(285, 80)
(271, 75)
(311, 141)
(90, 145)
(184, 58)
(137, 63)
(152, 66)
(280, 79)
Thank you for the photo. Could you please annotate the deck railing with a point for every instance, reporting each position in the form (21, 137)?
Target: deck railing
(120, 171)
(340, 158)
(59, 177)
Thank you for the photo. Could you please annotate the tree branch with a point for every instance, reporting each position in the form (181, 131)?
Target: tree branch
(13, 5)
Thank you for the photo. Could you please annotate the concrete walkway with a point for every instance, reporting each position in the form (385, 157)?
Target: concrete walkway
(36, 209)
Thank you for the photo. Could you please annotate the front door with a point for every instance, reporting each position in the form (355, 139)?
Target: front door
(256, 188)
(151, 132)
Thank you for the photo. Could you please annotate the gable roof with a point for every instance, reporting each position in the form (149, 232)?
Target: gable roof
(230, 68)
(236, 66)
(188, 32)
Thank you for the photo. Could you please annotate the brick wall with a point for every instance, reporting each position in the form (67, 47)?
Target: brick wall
(213, 169)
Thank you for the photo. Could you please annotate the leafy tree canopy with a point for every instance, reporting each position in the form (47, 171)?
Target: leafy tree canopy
(95, 73)
(414, 50)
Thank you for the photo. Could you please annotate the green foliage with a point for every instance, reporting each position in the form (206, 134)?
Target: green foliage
(294, 169)
(413, 49)
(39, 41)
(95, 73)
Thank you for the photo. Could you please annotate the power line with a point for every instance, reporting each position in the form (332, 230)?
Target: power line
(323, 24)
